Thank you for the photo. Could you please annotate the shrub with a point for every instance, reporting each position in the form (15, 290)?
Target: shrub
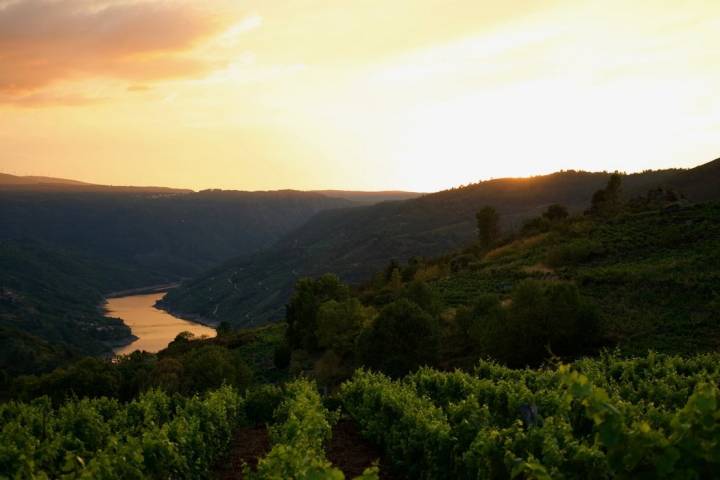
(425, 297)
(212, 366)
(573, 253)
(282, 355)
(261, 403)
(301, 313)
(461, 262)
(556, 212)
(403, 337)
(535, 226)
(339, 323)
(542, 318)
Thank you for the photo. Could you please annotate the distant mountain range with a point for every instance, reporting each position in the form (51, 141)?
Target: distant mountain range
(51, 184)
(369, 197)
(164, 233)
(356, 242)
(63, 244)
(7, 179)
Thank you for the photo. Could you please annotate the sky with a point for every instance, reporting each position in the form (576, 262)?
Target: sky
(415, 95)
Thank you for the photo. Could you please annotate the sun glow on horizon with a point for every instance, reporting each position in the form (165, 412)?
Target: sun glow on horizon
(416, 95)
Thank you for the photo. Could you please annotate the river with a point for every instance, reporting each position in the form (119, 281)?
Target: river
(154, 328)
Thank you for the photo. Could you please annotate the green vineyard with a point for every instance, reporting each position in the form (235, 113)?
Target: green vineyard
(154, 436)
(302, 428)
(651, 417)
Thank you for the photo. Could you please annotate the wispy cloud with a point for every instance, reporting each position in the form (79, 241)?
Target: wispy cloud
(43, 42)
(43, 99)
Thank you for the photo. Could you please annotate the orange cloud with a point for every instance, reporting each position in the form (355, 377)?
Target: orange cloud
(45, 99)
(46, 41)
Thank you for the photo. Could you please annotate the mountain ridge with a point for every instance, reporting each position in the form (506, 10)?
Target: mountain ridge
(25, 182)
(354, 243)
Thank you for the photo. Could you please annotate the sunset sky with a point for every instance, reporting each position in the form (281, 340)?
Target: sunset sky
(355, 94)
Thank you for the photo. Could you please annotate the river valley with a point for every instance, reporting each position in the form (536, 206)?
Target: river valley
(154, 328)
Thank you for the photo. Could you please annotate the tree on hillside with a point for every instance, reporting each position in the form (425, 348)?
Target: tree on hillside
(542, 317)
(301, 312)
(224, 328)
(556, 212)
(606, 202)
(422, 295)
(339, 324)
(211, 366)
(488, 225)
(403, 338)
(390, 269)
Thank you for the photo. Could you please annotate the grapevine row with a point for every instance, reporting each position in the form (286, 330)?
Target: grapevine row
(653, 417)
(302, 428)
(154, 436)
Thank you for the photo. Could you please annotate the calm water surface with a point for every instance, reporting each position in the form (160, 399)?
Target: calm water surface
(154, 328)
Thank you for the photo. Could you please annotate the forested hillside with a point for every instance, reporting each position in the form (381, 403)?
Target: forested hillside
(166, 232)
(55, 295)
(355, 243)
(64, 245)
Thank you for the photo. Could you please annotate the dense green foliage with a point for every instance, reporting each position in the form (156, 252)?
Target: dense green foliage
(541, 318)
(261, 401)
(650, 417)
(187, 366)
(402, 338)
(302, 311)
(643, 278)
(356, 243)
(651, 275)
(302, 428)
(154, 436)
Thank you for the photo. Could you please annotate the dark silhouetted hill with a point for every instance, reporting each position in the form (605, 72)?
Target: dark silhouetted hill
(700, 183)
(7, 179)
(169, 233)
(56, 294)
(354, 243)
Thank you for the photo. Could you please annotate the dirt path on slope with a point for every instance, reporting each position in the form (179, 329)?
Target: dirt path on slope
(249, 445)
(352, 454)
(347, 450)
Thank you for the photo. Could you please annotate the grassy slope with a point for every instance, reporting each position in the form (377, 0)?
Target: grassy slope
(654, 275)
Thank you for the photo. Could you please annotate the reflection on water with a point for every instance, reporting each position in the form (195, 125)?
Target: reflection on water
(154, 328)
